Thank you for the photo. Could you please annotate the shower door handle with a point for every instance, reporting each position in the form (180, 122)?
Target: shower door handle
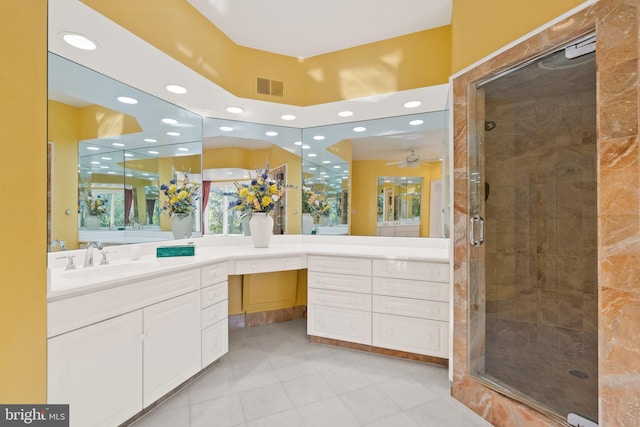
(476, 219)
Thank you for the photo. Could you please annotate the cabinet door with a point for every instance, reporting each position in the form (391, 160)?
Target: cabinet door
(339, 323)
(97, 370)
(215, 342)
(421, 336)
(171, 344)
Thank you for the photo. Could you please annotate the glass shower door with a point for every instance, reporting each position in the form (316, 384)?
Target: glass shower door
(532, 231)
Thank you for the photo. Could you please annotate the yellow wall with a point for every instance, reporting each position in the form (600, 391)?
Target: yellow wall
(63, 131)
(402, 63)
(23, 205)
(480, 27)
(364, 197)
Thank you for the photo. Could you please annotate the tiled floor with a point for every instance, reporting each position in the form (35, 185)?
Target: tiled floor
(273, 376)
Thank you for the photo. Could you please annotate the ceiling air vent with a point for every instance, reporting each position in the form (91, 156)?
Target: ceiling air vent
(270, 87)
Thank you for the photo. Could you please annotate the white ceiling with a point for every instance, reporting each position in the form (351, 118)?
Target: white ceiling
(304, 28)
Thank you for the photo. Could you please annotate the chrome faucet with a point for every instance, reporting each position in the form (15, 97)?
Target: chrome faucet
(88, 258)
(60, 243)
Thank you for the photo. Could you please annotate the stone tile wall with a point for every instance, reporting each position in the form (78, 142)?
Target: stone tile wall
(616, 23)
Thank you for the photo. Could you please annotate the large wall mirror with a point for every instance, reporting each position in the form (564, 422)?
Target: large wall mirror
(346, 162)
(111, 147)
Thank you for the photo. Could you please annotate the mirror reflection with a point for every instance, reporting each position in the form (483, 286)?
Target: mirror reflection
(353, 156)
(111, 147)
(399, 206)
(232, 153)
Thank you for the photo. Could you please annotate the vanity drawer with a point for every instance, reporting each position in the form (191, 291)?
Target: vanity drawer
(345, 265)
(340, 324)
(417, 270)
(214, 273)
(411, 307)
(76, 312)
(434, 291)
(266, 265)
(421, 336)
(339, 299)
(214, 294)
(339, 282)
(215, 342)
(215, 313)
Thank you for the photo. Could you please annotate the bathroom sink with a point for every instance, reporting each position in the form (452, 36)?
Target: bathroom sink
(65, 279)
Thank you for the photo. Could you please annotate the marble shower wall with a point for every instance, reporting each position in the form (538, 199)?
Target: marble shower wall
(542, 181)
(616, 23)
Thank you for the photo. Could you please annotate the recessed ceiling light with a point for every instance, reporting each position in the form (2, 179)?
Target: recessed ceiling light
(288, 117)
(271, 133)
(79, 41)
(150, 140)
(235, 110)
(312, 154)
(104, 167)
(412, 104)
(153, 152)
(151, 178)
(128, 155)
(318, 137)
(326, 162)
(229, 173)
(117, 144)
(323, 173)
(128, 174)
(337, 167)
(306, 147)
(145, 174)
(173, 133)
(183, 149)
(169, 121)
(359, 129)
(312, 169)
(95, 163)
(416, 122)
(176, 89)
(345, 113)
(127, 100)
(105, 158)
(111, 172)
(226, 128)
(93, 148)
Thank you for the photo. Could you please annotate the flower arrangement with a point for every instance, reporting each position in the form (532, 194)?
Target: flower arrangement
(315, 204)
(96, 205)
(182, 196)
(259, 195)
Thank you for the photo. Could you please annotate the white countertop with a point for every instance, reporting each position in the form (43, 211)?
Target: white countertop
(122, 269)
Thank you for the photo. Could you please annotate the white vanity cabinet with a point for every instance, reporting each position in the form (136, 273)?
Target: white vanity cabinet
(339, 298)
(410, 306)
(172, 343)
(215, 312)
(113, 352)
(97, 370)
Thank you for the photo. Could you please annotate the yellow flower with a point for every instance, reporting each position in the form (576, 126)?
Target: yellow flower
(266, 201)
(173, 188)
(243, 192)
(174, 200)
(273, 189)
(183, 195)
(250, 197)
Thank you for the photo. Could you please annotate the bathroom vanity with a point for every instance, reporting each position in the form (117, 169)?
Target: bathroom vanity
(123, 335)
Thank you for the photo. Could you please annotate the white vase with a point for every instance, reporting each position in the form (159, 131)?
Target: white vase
(181, 226)
(92, 222)
(261, 226)
(307, 223)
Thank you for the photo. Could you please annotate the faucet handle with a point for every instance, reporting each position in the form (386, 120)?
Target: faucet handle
(70, 264)
(104, 260)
